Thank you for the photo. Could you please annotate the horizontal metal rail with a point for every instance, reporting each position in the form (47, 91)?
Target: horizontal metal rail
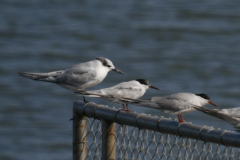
(142, 121)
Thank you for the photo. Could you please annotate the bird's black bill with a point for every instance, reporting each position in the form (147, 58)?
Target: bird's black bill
(210, 102)
(153, 87)
(118, 71)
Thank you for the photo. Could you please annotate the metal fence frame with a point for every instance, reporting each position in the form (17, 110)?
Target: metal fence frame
(111, 116)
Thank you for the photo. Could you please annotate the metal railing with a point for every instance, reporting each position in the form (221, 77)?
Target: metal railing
(101, 132)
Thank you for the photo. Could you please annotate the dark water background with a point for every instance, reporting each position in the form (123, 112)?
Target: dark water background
(191, 46)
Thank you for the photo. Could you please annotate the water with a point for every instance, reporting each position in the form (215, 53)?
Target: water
(178, 47)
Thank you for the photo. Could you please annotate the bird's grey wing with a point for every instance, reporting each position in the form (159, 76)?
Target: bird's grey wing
(93, 93)
(234, 112)
(47, 77)
(97, 93)
(172, 106)
(133, 101)
(221, 114)
(124, 91)
(76, 75)
(80, 75)
(159, 103)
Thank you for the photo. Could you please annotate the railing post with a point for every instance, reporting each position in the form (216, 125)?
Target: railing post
(108, 140)
(79, 137)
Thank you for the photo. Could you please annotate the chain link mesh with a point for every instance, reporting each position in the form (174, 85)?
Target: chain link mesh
(134, 143)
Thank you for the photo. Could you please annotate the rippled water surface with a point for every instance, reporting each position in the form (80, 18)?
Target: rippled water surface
(178, 47)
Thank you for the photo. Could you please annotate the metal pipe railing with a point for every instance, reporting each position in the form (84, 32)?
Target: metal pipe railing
(111, 115)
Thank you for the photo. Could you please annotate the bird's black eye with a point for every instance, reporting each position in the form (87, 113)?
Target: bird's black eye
(108, 66)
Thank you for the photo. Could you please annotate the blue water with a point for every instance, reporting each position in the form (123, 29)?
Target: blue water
(177, 46)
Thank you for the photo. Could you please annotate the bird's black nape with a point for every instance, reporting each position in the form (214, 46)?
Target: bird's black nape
(143, 81)
(103, 61)
(203, 96)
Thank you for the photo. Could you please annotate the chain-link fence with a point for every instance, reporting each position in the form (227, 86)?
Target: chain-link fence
(100, 132)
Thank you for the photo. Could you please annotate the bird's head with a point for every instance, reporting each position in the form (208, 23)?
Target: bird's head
(146, 83)
(108, 64)
(205, 99)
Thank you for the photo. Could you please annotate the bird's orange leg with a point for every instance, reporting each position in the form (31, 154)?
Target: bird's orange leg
(127, 108)
(123, 107)
(181, 118)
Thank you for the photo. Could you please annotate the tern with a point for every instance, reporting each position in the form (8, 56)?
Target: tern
(132, 89)
(79, 76)
(174, 104)
(231, 115)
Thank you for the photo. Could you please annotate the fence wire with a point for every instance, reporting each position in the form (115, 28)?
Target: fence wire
(141, 144)
(144, 137)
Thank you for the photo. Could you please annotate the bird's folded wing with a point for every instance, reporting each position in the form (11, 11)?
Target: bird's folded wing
(155, 102)
(234, 112)
(173, 106)
(48, 77)
(76, 77)
(70, 76)
(131, 100)
(91, 93)
(221, 114)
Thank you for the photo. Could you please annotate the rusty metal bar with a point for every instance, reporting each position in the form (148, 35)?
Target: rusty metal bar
(108, 140)
(79, 137)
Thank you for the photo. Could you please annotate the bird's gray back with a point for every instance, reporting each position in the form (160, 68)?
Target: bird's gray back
(80, 76)
(130, 89)
(172, 105)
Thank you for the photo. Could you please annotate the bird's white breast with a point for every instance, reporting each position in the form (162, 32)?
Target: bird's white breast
(101, 71)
